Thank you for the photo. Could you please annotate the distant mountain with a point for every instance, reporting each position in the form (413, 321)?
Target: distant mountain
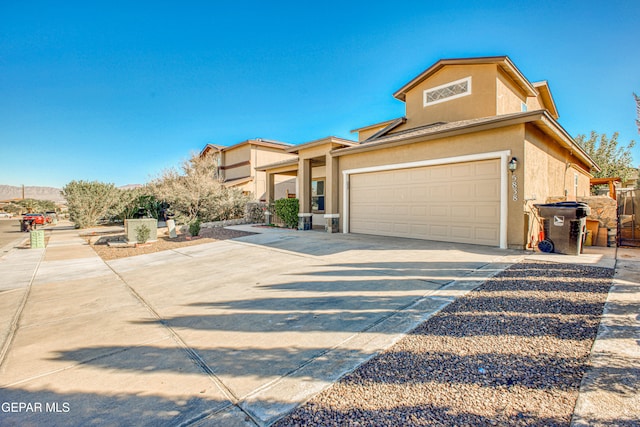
(9, 192)
(130, 186)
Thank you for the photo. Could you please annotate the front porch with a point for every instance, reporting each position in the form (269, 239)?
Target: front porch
(317, 182)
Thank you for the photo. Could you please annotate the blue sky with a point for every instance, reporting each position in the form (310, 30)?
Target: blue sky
(118, 91)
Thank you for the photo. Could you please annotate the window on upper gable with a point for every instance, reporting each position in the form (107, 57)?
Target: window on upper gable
(447, 92)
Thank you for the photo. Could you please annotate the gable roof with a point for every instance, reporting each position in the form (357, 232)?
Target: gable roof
(540, 118)
(547, 99)
(502, 61)
(269, 143)
(373, 126)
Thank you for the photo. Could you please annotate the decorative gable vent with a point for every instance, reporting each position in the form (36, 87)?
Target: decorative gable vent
(447, 91)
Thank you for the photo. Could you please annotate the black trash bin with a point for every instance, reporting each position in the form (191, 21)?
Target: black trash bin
(564, 226)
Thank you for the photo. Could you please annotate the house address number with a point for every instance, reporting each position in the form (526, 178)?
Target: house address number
(514, 186)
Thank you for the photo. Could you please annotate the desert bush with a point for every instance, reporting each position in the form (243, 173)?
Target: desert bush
(33, 205)
(130, 201)
(89, 202)
(287, 210)
(14, 208)
(254, 212)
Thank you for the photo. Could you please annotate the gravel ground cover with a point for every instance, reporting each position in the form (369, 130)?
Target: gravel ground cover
(207, 235)
(510, 353)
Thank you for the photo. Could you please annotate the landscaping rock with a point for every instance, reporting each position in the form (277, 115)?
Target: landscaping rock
(512, 352)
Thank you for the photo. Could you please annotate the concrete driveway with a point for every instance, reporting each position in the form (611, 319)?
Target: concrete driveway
(235, 332)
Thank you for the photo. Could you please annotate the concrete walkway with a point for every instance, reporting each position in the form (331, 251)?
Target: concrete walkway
(234, 332)
(610, 391)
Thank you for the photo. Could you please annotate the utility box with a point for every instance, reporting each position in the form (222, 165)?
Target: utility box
(564, 226)
(131, 229)
(37, 239)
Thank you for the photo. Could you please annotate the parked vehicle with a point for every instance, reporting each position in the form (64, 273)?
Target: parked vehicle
(31, 220)
(5, 215)
(36, 218)
(51, 217)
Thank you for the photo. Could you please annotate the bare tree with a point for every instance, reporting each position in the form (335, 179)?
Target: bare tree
(194, 191)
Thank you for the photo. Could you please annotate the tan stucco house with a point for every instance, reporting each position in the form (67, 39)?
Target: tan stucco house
(478, 146)
(237, 166)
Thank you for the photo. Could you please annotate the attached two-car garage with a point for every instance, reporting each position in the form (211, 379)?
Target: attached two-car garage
(452, 202)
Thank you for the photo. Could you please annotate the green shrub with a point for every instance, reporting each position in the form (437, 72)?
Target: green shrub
(194, 228)
(287, 210)
(142, 233)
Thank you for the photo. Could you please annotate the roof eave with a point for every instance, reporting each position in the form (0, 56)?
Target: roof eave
(276, 165)
(542, 118)
(545, 92)
(547, 122)
(471, 127)
(375, 125)
(504, 61)
(322, 141)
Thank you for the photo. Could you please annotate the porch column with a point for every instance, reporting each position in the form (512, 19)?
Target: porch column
(269, 195)
(305, 216)
(331, 216)
(271, 187)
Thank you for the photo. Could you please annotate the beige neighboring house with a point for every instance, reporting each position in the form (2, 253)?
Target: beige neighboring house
(237, 166)
(478, 146)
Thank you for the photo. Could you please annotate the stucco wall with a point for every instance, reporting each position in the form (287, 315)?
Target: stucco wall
(534, 103)
(545, 158)
(481, 102)
(260, 156)
(548, 170)
(264, 155)
(282, 183)
(235, 156)
(509, 98)
(366, 133)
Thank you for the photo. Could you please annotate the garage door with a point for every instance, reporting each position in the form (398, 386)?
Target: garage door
(453, 203)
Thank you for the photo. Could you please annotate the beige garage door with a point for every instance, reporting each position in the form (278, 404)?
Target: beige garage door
(453, 203)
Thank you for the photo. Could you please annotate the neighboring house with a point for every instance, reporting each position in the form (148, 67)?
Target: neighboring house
(237, 166)
(443, 170)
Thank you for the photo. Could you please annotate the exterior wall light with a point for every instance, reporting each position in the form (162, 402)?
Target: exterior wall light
(513, 164)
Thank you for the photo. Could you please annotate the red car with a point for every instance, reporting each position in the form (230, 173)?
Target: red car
(29, 221)
(35, 218)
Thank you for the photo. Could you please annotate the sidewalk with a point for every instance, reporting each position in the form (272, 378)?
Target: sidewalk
(610, 391)
(101, 347)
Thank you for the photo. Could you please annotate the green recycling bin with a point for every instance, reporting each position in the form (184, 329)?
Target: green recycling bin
(37, 239)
